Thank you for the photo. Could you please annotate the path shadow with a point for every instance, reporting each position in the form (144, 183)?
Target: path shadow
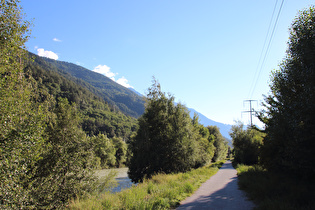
(229, 197)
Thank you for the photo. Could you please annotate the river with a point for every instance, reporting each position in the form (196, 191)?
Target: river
(122, 178)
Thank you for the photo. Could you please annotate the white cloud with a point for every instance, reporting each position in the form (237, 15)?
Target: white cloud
(79, 63)
(48, 54)
(124, 82)
(56, 40)
(105, 70)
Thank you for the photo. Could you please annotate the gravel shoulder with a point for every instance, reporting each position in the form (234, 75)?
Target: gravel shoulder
(219, 192)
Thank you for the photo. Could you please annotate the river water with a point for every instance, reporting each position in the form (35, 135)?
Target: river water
(121, 177)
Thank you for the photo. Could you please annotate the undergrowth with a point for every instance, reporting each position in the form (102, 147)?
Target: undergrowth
(160, 192)
(276, 191)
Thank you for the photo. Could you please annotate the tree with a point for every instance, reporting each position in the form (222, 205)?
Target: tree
(205, 143)
(22, 121)
(220, 144)
(290, 108)
(166, 139)
(65, 169)
(104, 150)
(246, 144)
(120, 151)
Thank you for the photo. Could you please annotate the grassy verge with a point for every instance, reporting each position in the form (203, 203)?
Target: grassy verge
(160, 192)
(276, 191)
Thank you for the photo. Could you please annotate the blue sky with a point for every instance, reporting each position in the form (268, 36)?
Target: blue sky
(206, 53)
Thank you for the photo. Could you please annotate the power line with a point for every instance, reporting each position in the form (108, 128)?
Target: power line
(268, 47)
(263, 49)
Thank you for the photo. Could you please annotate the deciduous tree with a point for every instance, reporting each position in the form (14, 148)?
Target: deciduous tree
(220, 144)
(246, 144)
(290, 107)
(21, 120)
(166, 140)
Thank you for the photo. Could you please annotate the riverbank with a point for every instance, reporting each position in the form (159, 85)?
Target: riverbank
(160, 192)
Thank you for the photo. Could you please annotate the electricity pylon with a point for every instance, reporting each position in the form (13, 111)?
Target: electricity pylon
(251, 111)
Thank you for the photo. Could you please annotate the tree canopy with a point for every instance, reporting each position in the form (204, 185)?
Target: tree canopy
(246, 143)
(290, 107)
(167, 141)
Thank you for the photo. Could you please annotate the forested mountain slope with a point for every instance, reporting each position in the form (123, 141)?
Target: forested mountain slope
(98, 115)
(126, 100)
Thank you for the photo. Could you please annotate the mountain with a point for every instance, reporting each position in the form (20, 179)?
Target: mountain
(115, 94)
(97, 115)
(136, 92)
(129, 101)
(224, 128)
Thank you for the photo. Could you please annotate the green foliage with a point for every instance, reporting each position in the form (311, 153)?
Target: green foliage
(21, 120)
(104, 150)
(160, 192)
(110, 152)
(205, 143)
(121, 151)
(66, 166)
(290, 108)
(219, 142)
(45, 156)
(275, 190)
(118, 96)
(246, 144)
(97, 115)
(166, 140)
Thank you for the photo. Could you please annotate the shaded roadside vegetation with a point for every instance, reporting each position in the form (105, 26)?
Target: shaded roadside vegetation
(280, 170)
(275, 191)
(162, 191)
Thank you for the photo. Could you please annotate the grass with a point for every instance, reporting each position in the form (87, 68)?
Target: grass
(160, 192)
(276, 191)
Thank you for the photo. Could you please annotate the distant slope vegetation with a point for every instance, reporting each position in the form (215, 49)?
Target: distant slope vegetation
(126, 100)
(98, 116)
(118, 97)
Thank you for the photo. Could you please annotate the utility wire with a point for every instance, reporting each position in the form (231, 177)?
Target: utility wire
(263, 49)
(268, 47)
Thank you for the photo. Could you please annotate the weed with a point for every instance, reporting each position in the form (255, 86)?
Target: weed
(160, 192)
(274, 190)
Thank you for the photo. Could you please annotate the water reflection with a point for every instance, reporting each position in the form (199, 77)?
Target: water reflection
(123, 183)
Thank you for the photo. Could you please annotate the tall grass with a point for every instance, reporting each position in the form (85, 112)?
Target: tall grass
(276, 191)
(160, 192)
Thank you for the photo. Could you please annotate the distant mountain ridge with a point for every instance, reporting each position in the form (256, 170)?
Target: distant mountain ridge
(224, 128)
(128, 100)
(115, 94)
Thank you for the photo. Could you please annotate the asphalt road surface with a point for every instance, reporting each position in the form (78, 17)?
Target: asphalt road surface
(219, 192)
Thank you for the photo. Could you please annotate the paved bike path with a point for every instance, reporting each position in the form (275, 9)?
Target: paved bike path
(219, 192)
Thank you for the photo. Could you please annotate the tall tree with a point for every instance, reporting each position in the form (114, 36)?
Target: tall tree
(120, 151)
(290, 108)
(220, 144)
(21, 120)
(205, 143)
(65, 169)
(166, 140)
